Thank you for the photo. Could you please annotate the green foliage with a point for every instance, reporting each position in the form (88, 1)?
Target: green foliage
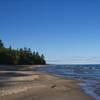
(22, 56)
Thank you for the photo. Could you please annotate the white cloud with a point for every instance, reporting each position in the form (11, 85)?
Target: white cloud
(76, 60)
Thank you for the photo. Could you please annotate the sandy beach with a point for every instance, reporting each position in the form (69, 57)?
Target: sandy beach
(31, 85)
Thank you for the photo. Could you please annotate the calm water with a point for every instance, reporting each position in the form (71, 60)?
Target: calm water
(89, 73)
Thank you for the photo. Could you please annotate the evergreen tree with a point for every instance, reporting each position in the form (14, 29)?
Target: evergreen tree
(23, 56)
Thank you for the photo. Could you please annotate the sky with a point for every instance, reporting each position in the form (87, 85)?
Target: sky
(65, 31)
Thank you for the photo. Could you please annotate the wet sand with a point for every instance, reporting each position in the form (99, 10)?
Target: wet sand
(39, 86)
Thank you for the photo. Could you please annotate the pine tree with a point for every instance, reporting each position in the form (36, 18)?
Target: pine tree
(23, 56)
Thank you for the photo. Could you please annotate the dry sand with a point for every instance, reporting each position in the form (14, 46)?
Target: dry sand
(40, 86)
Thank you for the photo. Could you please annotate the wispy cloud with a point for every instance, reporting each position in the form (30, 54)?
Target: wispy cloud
(76, 59)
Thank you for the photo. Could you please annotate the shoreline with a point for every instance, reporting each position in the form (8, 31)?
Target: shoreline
(41, 86)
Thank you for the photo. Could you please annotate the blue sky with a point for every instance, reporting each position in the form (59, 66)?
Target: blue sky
(66, 31)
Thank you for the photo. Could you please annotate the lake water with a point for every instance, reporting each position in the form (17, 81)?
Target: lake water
(90, 74)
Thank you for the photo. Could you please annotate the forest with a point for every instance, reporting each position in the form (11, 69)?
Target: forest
(21, 56)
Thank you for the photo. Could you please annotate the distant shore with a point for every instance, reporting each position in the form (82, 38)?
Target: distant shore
(31, 85)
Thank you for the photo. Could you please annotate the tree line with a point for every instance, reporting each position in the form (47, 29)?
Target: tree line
(22, 56)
